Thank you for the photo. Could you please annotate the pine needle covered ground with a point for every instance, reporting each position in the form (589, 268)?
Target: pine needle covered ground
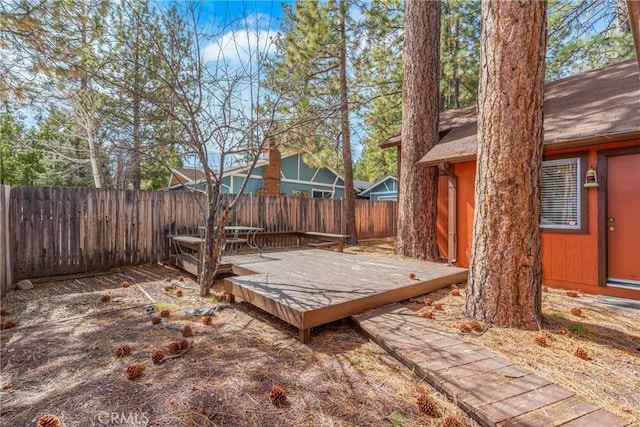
(67, 368)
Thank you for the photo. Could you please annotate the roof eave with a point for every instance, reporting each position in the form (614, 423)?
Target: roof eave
(375, 184)
(548, 145)
(452, 159)
(392, 141)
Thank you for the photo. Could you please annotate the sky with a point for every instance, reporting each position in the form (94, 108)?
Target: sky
(229, 21)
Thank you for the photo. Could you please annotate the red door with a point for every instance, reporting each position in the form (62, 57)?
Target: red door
(623, 219)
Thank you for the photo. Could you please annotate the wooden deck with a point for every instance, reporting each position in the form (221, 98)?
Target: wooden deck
(311, 287)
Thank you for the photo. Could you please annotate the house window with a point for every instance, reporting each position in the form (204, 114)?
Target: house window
(561, 191)
(321, 194)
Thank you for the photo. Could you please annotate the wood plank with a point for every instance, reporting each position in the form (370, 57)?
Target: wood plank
(478, 367)
(523, 403)
(480, 393)
(278, 309)
(6, 239)
(599, 418)
(553, 415)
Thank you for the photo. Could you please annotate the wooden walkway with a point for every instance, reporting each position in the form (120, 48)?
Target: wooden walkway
(490, 388)
(312, 287)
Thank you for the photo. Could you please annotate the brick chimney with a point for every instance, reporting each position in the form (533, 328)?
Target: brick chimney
(271, 171)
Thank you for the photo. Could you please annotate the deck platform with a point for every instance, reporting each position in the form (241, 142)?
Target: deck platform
(312, 287)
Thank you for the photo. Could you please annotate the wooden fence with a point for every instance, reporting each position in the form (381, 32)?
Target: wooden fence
(49, 231)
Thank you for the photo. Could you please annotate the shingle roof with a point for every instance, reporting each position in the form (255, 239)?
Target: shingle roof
(192, 174)
(599, 105)
(361, 185)
(375, 184)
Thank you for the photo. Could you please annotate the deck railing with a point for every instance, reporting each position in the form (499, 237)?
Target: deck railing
(50, 231)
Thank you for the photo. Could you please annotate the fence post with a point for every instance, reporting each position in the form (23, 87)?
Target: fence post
(6, 265)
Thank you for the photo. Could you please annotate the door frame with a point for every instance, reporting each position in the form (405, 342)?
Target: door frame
(603, 249)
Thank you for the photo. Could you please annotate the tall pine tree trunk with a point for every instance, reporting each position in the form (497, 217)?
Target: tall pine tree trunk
(417, 201)
(349, 194)
(506, 273)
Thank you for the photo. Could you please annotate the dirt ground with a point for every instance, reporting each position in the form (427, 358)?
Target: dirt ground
(58, 359)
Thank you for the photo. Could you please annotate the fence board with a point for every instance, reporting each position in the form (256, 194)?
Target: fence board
(6, 271)
(56, 231)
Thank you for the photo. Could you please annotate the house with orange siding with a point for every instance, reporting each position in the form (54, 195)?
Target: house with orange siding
(590, 219)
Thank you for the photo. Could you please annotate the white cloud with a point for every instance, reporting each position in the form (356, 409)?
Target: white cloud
(242, 46)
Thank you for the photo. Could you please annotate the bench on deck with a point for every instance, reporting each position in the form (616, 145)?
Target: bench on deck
(325, 239)
(185, 249)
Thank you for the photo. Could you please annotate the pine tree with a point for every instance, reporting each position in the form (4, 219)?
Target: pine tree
(505, 275)
(417, 186)
(309, 73)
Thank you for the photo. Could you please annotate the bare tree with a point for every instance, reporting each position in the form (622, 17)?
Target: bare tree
(418, 186)
(505, 274)
(216, 104)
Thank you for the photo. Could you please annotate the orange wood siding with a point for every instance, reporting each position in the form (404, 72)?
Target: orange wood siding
(442, 231)
(466, 173)
(568, 260)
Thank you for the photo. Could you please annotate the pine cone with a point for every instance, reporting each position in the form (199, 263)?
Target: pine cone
(465, 329)
(475, 326)
(175, 348)
(165, 313)
(572, 294)
(179, 293)
(412, 276)
(427, 406)
(117, 352)
(105, 298)
(427, 315)
(428, 301)
(451, 422)
(184, 344)
(455, 293)
(565, 331)
(187, 331)
(5, 312)
(49, 421)
(180, 279)
(277, 396)
(576, 311)
(169, 288)
(157, 356)
(541, 341)
(223, 296)
(581, 353)
(124, 284)
(207, 320)
(126, 349)
(155, 320)
(437, 306)
(8, 324)
(545, 289)
(135, 370)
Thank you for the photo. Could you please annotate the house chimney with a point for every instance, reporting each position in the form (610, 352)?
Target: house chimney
(271, 171)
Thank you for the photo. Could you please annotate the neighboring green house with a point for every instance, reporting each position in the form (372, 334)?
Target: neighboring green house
(286, 175)
(385, 189)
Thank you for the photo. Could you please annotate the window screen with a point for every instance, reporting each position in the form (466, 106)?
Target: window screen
(561, 194)
(321, 194)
